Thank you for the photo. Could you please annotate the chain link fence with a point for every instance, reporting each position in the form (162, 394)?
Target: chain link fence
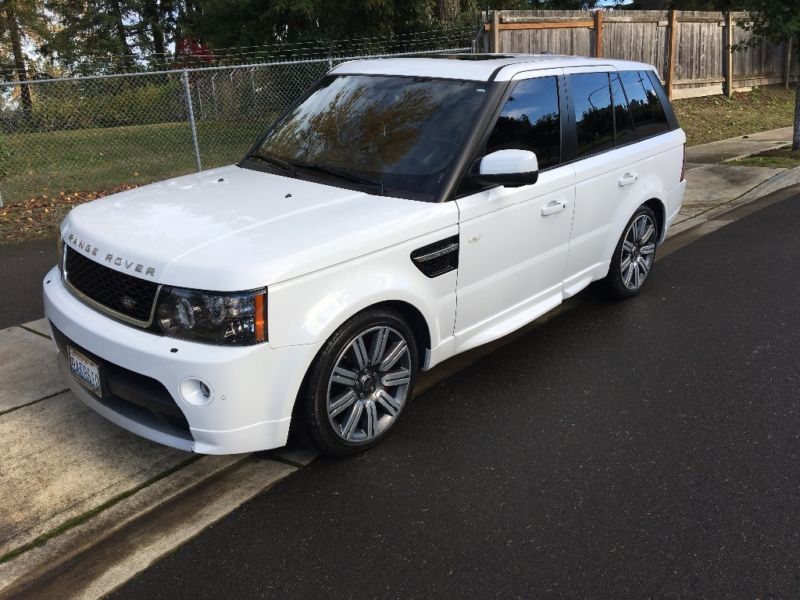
(101, 133)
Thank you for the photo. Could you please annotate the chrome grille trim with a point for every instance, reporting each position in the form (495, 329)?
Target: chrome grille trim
(89, 301)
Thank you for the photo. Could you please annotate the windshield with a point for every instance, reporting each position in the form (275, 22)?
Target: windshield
(398, 135)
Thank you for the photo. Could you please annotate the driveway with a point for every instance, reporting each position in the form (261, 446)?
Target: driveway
(22, 267)
(643, 448)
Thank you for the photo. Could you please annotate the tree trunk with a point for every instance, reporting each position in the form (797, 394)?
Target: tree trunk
(796, 137)
(447, 9)
(19, 57)
(119, 27)
(158, 39)
(152, 13)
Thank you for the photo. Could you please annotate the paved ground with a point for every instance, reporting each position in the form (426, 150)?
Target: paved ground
(713, 182)
(744, 145)
(22, 267)
(645, 448)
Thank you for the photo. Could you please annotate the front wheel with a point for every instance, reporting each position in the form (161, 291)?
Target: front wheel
(360, 383)
(634, 255)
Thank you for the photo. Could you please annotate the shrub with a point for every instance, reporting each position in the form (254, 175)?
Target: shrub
(5, 159)
(74, 108)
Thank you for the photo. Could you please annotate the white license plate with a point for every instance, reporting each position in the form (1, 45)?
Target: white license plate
(84, 370)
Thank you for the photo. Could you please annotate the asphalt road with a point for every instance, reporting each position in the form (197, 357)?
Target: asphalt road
(22, 267)
(635, 449)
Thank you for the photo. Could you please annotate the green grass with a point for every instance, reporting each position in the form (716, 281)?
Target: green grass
(713, 118)
(781, 158)
(100, 159)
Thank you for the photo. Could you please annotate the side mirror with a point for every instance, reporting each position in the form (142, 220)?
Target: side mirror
(511, 168)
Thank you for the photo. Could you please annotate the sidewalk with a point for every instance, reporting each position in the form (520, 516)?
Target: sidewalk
(70, 479)
(715, 185)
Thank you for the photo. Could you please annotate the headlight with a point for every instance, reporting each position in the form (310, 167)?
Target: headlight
(237, 319)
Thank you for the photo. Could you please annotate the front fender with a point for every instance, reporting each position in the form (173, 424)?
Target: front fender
(308, 309)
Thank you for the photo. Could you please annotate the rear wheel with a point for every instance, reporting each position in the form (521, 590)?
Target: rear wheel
(634, 255)
(360, 383)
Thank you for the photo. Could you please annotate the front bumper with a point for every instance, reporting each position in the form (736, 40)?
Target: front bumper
(253, 388)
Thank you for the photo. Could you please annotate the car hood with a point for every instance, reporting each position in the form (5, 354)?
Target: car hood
(235, 229)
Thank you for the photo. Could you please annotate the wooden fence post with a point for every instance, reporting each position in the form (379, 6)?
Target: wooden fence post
(495, 31)
(787, 75)
(598, 33)
(671, 54)
(729, 54)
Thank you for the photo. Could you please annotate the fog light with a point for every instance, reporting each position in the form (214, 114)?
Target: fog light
(196, 392)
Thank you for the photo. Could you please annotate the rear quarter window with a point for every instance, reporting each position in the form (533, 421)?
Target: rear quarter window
(625, 132)
(649, 117)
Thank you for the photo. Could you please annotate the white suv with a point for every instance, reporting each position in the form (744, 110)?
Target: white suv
(400, 212)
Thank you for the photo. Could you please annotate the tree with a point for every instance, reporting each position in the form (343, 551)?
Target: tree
(156, 23)
(778, 22)
(92, 35)
(86, 30)
(21, 19)
(224, 24)
(722, 5)
(447, 10)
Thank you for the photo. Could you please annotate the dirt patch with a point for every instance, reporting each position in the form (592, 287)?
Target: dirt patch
(39, 218)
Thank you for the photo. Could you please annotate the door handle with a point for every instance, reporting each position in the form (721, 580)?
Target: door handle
(628, 179)
(553, 207)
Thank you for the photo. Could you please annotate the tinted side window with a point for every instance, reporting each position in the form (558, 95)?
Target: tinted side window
(623, 119)
(594, 119)
(648, 114)
(530, 121)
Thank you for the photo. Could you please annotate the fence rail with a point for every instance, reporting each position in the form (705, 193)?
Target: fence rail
(691, 49)
(101, 132)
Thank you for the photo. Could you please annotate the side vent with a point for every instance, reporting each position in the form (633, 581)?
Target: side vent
(437, 258)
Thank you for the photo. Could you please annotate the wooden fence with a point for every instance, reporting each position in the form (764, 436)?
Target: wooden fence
(690, 49)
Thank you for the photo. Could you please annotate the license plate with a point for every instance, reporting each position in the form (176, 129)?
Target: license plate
(85, 370)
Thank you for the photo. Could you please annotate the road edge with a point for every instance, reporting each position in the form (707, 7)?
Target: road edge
(96, 557)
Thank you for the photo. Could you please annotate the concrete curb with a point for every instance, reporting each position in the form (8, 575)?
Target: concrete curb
(94, 558)
(779, 181)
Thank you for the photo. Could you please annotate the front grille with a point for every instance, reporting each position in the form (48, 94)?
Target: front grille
(124, 294)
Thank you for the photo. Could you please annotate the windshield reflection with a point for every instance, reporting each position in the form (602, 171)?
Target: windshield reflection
(405, 132)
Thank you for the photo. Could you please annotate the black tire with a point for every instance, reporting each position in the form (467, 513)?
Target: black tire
(323, 429)
(615, 284)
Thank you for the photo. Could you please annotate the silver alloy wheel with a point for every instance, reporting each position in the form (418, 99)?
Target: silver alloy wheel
(637, 252)
(369, 384)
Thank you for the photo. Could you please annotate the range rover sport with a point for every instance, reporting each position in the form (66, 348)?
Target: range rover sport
(400, 212)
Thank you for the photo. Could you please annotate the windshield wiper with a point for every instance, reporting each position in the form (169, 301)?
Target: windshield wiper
(273, 160)
(376, 183)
